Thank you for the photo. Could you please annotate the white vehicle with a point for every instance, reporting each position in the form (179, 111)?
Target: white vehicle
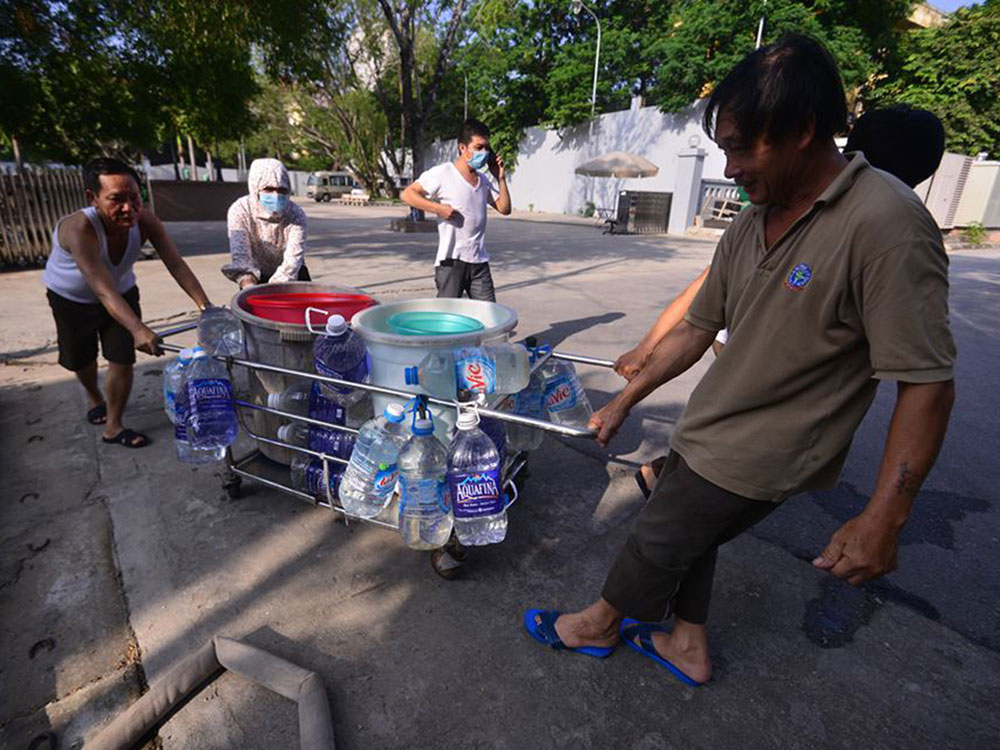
(324, 186)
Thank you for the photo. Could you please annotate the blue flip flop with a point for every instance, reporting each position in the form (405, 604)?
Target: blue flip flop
(541, 625)
(631, 628)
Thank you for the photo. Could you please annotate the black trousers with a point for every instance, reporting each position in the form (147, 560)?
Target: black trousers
(303, 275)
(668, 562)
(455, 277)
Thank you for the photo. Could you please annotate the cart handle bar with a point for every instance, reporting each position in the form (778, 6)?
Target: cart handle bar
(539, 424)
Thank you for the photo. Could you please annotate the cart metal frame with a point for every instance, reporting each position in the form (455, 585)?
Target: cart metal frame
(448, 560)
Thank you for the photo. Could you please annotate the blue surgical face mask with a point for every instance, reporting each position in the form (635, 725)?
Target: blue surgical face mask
(274, 201)
(478, 160)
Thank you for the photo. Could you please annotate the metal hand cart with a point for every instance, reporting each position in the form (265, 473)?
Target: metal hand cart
(446, 561)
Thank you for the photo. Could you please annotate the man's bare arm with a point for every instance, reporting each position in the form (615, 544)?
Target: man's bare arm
(153, 228)
(415, 195)
(629, 364)
(676, 352)
(865, 547)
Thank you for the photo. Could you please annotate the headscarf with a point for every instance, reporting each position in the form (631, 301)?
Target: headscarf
(266, 173)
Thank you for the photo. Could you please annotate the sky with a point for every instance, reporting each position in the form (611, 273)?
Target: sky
(950, 5)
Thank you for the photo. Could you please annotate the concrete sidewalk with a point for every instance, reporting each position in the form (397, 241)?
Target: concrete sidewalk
(127, 560)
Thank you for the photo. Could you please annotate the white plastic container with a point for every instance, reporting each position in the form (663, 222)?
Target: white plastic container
(391, 353)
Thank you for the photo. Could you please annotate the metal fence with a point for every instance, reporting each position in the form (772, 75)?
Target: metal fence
(31, 202)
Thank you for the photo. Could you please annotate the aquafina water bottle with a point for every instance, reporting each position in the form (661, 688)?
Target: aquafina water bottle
(211, 416)
(474, 469)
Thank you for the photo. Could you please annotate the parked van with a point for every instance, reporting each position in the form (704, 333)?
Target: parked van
(323, 186)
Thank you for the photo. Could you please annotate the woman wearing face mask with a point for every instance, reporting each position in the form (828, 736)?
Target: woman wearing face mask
(267, 232)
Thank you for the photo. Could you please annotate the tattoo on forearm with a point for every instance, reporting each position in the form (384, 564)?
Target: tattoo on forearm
(907, 481)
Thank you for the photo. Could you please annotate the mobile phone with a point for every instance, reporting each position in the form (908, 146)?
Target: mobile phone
(491, 160)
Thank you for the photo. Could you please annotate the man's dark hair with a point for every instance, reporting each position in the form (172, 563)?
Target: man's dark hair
(905, 142)
(104, 165)
(777, 90)
(472, 127)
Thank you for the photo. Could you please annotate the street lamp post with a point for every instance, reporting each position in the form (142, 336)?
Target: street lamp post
(577, 6)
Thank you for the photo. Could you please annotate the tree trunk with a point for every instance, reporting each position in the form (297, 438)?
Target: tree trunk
(173, 158)
(194, 162)
(208, 165)
(18, 160)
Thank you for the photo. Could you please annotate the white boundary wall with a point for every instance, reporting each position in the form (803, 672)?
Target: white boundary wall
(544, 179)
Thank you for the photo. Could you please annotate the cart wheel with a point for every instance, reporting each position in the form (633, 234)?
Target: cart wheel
(456, 550)
(232, 485)
(445, 565)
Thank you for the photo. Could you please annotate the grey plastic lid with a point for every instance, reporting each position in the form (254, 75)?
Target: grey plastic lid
(285, 432)
(336, 325)
(394, 412)
(423, 427)
(274, 400)
(467, 419)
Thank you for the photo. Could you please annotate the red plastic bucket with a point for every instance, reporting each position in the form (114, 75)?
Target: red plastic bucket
(291, 307)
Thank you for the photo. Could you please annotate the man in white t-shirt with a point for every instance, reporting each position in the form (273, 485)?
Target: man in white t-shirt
(458, 192)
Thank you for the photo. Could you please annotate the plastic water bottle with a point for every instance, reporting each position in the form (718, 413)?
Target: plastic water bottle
(331, 442)
(340, 353)
(211, 413)
(565, 400)
(474, 480)
(371, 475)
(173, 381)
(185, 451)
(220, 332)
(496, 431)
(496, 368)
(307, 476)
(527, 403)
(425, 519)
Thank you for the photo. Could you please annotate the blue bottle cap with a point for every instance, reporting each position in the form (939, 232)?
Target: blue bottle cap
(423, 427)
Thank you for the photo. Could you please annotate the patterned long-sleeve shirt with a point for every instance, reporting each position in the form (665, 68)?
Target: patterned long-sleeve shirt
(265, 249)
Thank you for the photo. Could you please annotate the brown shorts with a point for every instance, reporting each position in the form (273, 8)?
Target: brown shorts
(79, 326)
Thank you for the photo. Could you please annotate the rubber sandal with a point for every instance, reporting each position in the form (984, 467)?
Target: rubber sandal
(127, 438)
(643, 487)
(631, 628)
(541, 625)
(98, 415)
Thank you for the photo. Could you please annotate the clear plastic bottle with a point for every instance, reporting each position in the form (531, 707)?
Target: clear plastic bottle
(340, 353)
(185, 451)
(173, 380)
(527, 403)
(425, 520)
(211, 412)
(220, 332)
(371, 475)
(331, 442)
(474, 467)
(307, 476)
(566, 402)
(495, 368)
(496, 431)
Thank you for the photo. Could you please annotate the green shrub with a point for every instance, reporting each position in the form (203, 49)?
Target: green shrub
(975, 233)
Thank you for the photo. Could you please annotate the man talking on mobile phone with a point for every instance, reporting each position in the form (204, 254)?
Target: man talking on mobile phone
(458, 192)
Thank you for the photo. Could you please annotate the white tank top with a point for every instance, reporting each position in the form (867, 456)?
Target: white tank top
(63, 276)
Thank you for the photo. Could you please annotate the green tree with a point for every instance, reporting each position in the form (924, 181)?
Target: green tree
(954, 71)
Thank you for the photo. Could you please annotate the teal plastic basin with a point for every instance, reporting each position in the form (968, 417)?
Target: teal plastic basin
(425, 323)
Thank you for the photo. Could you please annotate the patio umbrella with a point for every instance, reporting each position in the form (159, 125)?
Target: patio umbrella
(618, 164)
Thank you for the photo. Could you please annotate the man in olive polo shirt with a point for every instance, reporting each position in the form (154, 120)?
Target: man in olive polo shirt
(834, 280)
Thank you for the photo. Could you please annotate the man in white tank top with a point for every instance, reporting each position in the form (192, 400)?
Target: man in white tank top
(91, 289)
